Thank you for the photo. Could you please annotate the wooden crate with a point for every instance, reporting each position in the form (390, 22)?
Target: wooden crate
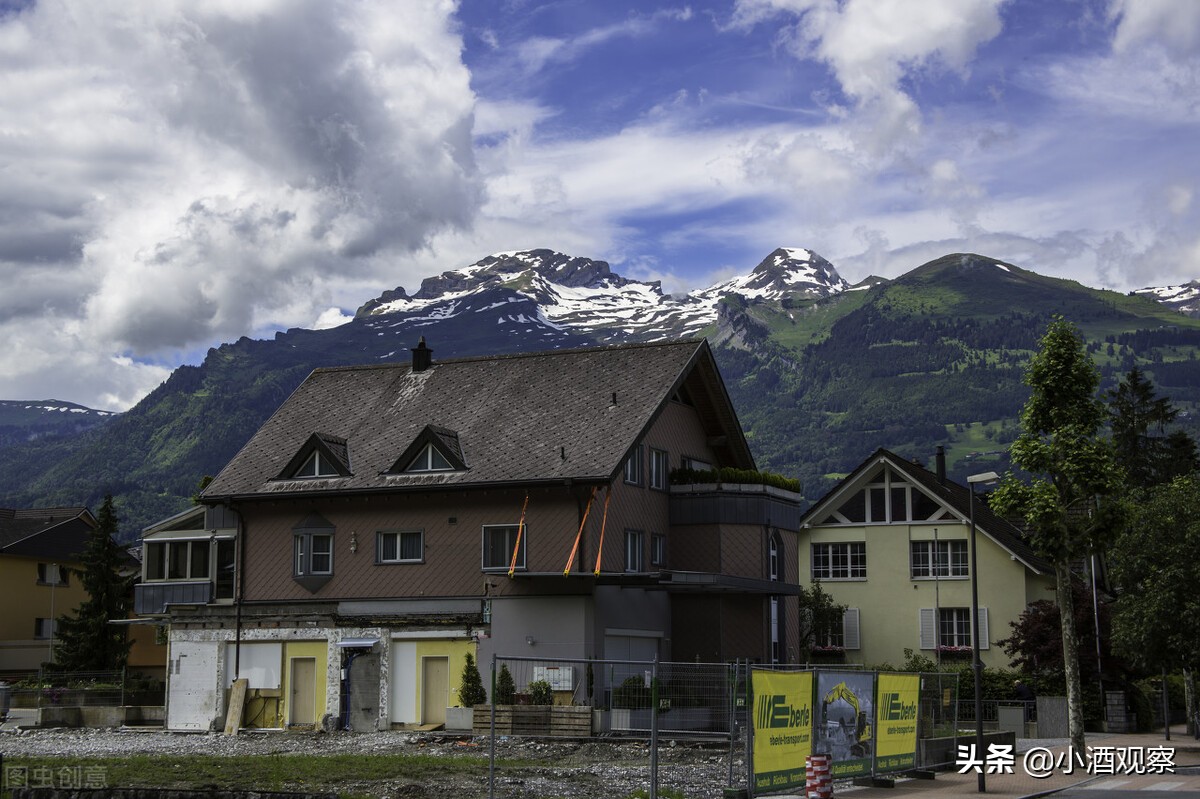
(571, 722)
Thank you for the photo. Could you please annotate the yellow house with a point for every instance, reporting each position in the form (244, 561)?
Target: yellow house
(38, 548)
(891, 542)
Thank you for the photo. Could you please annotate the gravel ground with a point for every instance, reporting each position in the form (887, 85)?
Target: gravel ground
(594, 769)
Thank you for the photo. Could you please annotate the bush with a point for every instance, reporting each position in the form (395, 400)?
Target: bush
(731, 475)
(506, 689)
(540, 693)
(470, 689)
(633, 693)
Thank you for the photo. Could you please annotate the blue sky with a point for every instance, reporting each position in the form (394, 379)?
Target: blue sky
(177, 174)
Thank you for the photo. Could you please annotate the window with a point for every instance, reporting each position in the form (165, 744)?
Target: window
(658, 469)
(839, 561)
(776, 637)
(658, 550)
(774, 565)
(696, 465)
(404, 546)
(429, 460)
(949, 629)
(317, 465)
(177, 560)
(890, 497)
(51, 574)
(842, 634)
(633, 466)
(314, 554)
(44, 628)
(938, 558)
(499, 541)
(634, 559)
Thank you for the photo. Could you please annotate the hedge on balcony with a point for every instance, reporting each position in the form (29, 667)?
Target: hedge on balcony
(730, 475)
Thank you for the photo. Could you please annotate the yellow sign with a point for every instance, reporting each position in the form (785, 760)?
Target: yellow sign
(783, 719)
(896, 721)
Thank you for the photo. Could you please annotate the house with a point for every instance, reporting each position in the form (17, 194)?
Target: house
(891, 542)
(388, 520)
(38, 548)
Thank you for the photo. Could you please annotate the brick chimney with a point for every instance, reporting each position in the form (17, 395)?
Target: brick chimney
(940, 460)
(422, 356)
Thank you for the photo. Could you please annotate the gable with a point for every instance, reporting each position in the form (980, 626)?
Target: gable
(321, 455)
(885, 495)
(435, 449)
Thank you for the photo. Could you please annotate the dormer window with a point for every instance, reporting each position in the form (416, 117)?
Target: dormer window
(321, 456)
(429, 459)
(434, 449)
(316, 466)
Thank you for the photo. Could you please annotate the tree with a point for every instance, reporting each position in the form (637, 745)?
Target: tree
(1139, 419)
(820, 616)
(470, 687)
(1071, 502)
(506, 689)
(1157, 618)
(86, 641)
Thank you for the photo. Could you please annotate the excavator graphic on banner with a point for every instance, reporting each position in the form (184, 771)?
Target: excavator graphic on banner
(846, 724)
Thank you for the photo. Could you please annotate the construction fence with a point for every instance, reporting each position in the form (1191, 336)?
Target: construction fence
(837, 710)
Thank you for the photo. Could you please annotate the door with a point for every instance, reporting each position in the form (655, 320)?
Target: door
(192, 686)
(363, 694)
(435, 690)
(302, 710)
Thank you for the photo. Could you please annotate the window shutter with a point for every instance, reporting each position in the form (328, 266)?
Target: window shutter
(850, 629)
(983, 629)
(928, 628)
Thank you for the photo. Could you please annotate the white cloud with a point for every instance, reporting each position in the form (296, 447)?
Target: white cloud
(188, 172)
(1173, 24)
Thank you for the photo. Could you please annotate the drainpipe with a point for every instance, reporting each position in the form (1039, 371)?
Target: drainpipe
(241, 590)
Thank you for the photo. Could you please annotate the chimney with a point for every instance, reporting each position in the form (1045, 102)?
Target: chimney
(422, 356)
(940, 459)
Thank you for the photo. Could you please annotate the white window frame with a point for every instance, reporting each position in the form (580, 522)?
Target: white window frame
(635, 551)
(307, 547)
(427, 460)
(951, 563)
(507, 530)
(840, 560)
(45, 629)
(932, 631)
(398, 546)
(634, 466)
(47, 571)
(320, 468)
(660, 462)
(658, 549)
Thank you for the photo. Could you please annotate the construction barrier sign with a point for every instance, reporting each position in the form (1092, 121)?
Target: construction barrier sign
(845, 714)
(896, 708)
(783, 719)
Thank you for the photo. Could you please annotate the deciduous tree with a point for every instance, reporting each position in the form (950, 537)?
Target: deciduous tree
(1070, 503)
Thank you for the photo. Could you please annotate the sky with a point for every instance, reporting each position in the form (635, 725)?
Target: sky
(174, 175)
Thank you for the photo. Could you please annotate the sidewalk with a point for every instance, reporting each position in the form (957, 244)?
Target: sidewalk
(952, 785)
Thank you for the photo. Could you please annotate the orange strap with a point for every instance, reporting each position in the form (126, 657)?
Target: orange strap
(603, 522)
(579, 535)
(512, 567)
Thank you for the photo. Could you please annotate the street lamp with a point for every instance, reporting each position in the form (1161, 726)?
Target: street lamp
(985, 478)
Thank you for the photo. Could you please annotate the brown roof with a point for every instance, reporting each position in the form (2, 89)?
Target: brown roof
(542, 417)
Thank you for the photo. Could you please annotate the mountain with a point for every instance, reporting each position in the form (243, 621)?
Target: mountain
(34, 419)
(1185, 298)
(821, 372)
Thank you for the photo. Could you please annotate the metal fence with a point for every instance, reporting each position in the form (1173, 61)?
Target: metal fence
(83, 688)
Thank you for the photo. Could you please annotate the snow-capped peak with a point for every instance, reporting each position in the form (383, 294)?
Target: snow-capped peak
(786, 271)
(1184, 298)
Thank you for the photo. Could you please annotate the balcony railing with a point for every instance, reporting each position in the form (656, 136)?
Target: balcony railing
(153, 598)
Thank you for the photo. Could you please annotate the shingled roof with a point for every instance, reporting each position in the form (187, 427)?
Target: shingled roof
(950, 494)
(45, 532)
(513, 419)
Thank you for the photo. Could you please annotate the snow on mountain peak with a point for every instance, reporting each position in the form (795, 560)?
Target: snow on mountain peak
(1184, 298)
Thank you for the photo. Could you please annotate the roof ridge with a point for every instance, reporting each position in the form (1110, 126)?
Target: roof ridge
(693, 341)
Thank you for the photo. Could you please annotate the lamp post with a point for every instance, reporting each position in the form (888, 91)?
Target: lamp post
(986, 478)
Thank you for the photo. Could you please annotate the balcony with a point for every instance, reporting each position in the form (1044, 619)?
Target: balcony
(153, 598)
(735, 503)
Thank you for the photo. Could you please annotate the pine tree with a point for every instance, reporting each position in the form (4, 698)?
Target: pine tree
(1139, 419)
(86, 641)
(470, 688)
(506, 689)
